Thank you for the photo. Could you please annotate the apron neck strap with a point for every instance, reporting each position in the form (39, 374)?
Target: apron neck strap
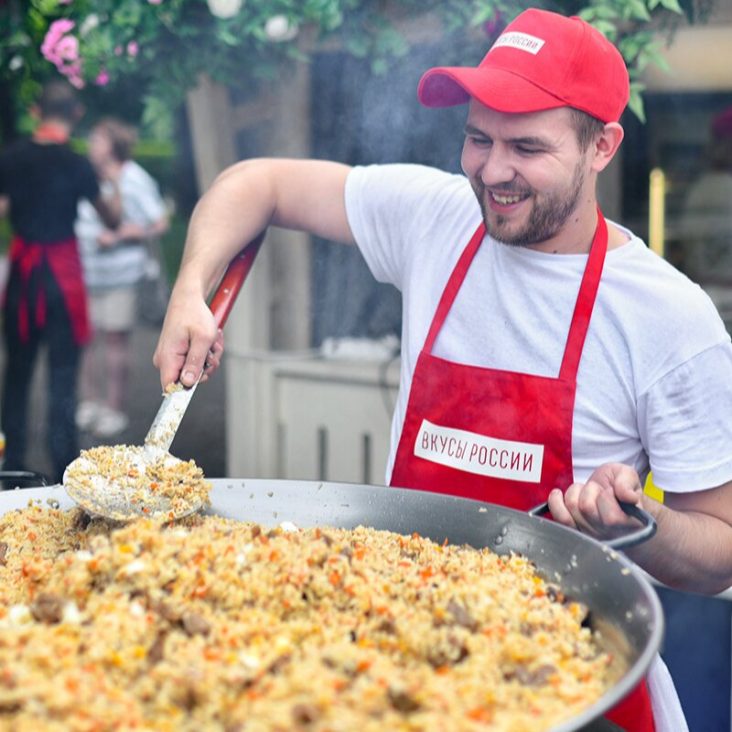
(585, 301)
(582, 309)
(453, 286)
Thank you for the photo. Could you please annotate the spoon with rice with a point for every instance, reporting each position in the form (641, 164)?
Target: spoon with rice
(125, 482)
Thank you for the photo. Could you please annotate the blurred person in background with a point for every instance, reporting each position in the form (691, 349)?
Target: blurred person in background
(41, 183)
(114, 263)
(706, 221)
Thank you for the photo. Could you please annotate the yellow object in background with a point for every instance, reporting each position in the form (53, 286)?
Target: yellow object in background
(656, 241)
(652, 490)
(657, 211)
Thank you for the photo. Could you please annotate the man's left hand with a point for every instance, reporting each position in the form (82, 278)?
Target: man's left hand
(593, 507)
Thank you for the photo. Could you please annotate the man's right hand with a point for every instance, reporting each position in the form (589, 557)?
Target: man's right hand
(190, 344)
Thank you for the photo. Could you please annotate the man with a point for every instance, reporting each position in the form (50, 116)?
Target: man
(529, 322)
(41, 182)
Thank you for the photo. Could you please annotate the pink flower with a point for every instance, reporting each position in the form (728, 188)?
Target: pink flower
(73, 73)
(132, 49)
(67, 49)
(58, 29)
(102, 78)
(118, 50)
(62, 50)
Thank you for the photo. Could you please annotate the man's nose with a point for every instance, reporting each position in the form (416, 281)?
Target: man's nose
(497, 167)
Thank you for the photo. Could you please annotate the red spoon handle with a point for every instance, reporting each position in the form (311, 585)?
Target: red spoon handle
(226, 293)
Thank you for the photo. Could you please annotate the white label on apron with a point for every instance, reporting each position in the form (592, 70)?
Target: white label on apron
(479, 454)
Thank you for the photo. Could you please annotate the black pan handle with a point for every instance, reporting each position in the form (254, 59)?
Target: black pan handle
(23, 476)
(621, 542)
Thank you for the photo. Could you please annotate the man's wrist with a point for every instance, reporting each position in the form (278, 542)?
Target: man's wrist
(189, 286)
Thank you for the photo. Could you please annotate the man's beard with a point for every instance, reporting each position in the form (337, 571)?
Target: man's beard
(546, 218)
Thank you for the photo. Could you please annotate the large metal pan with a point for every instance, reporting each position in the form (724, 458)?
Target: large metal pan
(622, 603)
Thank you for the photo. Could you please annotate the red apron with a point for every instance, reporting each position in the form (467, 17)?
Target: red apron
(27, 259)
(501, 436)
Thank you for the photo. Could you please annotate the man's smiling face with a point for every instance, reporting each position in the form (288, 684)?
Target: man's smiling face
(527, 171)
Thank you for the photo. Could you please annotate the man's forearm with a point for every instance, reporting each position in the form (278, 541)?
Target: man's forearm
(233, 211)
(691, 551)
(307, 195)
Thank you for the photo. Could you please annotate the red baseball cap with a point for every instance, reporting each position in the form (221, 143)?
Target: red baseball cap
(542, 60)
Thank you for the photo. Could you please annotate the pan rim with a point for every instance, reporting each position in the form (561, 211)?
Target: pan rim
(265, 489)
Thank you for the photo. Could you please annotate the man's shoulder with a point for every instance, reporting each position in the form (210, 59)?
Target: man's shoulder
(24, 152)
(63, 155)
(83, 169)
(408, 174)
(410, 186)
(15, 148)
(666, 316)
(650, 276)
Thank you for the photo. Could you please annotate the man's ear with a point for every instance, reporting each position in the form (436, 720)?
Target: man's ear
(606, 145)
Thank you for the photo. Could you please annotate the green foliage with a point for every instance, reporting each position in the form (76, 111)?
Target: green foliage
(164, 45)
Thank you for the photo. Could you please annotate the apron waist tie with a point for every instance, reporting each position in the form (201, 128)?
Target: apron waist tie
(634, 713)
(63, 259)
(27, 259)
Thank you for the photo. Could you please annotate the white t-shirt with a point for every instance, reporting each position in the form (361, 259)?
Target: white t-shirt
(124, 264)
(654, 387)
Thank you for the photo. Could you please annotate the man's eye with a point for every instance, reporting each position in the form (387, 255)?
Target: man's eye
(521, 149)
(480, 141)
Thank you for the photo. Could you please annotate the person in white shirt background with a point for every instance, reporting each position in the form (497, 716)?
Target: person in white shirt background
(114, 262)
(705, 225)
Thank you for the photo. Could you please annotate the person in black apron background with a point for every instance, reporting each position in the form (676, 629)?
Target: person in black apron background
(41, 182)
(546, 353)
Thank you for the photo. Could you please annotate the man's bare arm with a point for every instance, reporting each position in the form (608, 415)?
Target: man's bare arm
(692, 549)
(695, 548)
(307, 195)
